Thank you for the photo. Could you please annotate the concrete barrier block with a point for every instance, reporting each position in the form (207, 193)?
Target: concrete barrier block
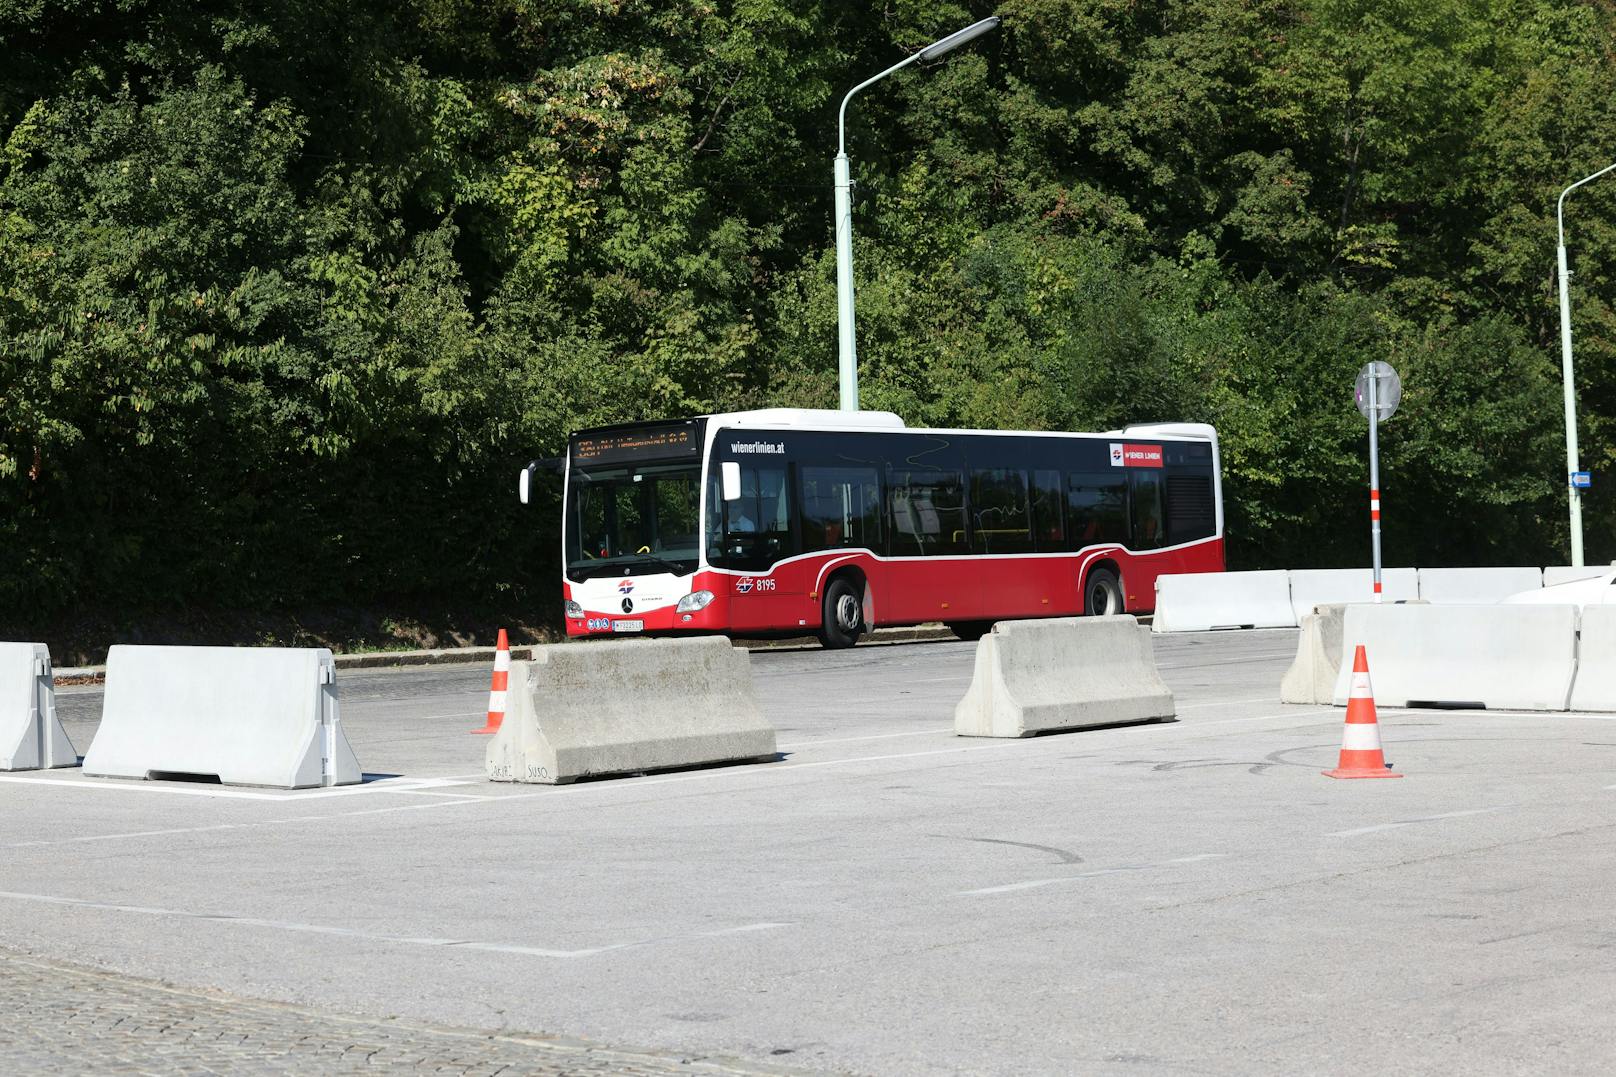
(1557, 574)
(1502, 657)
(585, 710)
(1313, 673)
(264, 716)
(31, 737)
(1063, 673)
(1595, 686)
(1201, 601)
(1471, 585)
(1312, 587)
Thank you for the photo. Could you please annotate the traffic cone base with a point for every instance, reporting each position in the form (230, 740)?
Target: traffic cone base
(496, 688)
(1360, 773)
(1361, 756)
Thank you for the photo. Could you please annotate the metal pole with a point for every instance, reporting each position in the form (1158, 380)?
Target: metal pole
(846, 343)
(847, 346)
(1374, 473)
(1570, 408)
(1566, 374)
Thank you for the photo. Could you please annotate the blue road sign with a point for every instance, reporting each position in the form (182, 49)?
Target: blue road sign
(1582, 480)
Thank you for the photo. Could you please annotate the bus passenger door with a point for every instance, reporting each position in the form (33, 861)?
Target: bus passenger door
(841, 524)
(758, 534)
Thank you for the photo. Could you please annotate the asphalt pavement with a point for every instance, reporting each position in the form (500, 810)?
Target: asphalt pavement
(1191, 897)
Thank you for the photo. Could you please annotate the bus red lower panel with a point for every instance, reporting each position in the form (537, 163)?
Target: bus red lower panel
(790, 596)
(1139, 570)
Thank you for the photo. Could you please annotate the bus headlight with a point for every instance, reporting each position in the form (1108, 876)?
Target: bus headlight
(573, 609)
(695, 600)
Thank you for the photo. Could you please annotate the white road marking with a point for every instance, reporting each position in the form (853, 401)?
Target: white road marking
(1411, 822)
(950, 729)
(1556, 715)
(1033, 884)
(1225, 703)
(570, 794)
(255, 825)
(1296, 712)
(563, 795)
(876, 736)
(371, 936)
(136, 785)
(80, 838)
(1209, 660)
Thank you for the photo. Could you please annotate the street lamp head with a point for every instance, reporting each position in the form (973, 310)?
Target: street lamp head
(958, 38)
(847, 351)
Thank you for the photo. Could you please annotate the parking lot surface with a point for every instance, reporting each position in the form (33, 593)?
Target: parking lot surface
(1191, 897)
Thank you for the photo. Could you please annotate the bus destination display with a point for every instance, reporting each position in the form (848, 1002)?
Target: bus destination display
(644, 443)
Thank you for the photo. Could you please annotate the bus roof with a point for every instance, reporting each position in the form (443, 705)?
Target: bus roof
(812, 418)
(828, 419)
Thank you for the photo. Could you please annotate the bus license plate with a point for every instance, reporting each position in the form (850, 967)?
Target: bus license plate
(628, 626)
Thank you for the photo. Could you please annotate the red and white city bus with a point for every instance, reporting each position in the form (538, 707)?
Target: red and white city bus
(789, 522)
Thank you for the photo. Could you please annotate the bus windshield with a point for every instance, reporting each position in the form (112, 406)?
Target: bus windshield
(636, 518)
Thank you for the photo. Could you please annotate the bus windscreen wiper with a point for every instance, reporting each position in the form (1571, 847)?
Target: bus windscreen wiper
(671, 566)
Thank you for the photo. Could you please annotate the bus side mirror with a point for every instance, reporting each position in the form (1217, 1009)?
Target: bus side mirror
(730, 473)
(524, 479)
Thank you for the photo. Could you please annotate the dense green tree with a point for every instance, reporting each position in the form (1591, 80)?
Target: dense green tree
(288, 291)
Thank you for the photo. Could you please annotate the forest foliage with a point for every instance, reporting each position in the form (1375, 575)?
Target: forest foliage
(289, 291)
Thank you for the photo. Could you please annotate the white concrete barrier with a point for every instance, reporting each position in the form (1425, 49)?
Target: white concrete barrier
(1555, 574)
(1063, 673)
(1502, 657)
(263, 716)
(1312, 587)
(1313, 673)
(31, 737)
(1595, 687)
(584, 710)
(1199, 601)
(1470, 585)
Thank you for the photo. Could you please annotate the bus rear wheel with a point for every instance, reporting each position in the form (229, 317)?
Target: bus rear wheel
(1102, 595)
(970, 631)
(843, 620)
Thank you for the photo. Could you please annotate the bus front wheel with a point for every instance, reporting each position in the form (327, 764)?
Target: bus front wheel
(970, 631)
(1103, 594)
(844, 615)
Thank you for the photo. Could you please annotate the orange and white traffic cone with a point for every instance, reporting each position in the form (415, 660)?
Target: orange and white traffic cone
(1361, 756)
(496, 688)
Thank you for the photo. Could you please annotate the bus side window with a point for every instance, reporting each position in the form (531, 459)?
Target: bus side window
(757, 526)
(928, 513)
(1048, 521)
(1149, 524)
(999, 511)
(840, 508)
(1097, 509)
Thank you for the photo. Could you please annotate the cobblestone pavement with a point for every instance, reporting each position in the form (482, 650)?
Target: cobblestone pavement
(62, 1018)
